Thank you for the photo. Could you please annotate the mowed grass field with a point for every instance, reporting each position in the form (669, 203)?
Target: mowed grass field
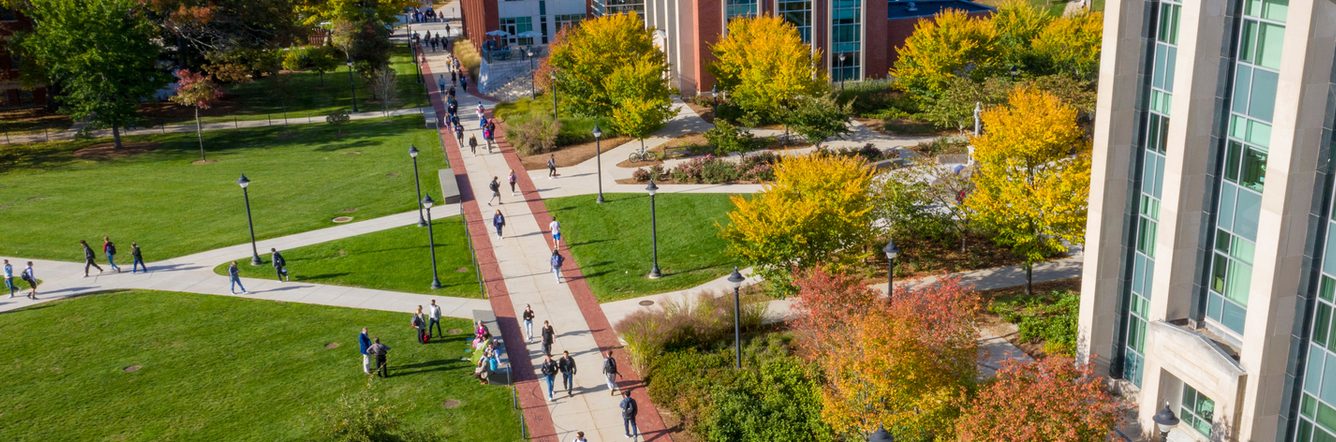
(157, 193)
(215, 368)
(395, 259)
(611, 241)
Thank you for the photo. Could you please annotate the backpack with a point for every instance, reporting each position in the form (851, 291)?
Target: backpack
(628, 408)
(111, 248)
(609, 365)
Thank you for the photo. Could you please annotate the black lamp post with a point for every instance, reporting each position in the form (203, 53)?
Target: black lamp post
(533, 93)
(431, 242)
(1165, 420)
(841, 70)
(881, 435)
(598, 155)
(554, 95)
(714, 93)
(653, 229)
(413, 152)
(352, 84)
(891, 252)
(413, 47)
(255, 251)
(736, 280)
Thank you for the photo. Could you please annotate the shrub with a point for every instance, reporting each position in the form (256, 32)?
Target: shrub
(1051, 320)
(536, 136)
(642, 175)
(727, 138)
(363, 416)
(682, 324)
(719, 171)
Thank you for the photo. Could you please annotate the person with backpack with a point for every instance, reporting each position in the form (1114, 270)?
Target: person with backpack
(280, 265)
(629, 410)
(549, 369)
(498, 221)
(473, 144)
(528, 322)
(380, 352)
(109, 249)
(552, 166)
(557, 260)
(30, 277)
(610, 371)
(90, 258)
(234, 274)
(513, 179)
(549, 337)
(459, 129)
(567, 366)
(138, 256)
(495, 186)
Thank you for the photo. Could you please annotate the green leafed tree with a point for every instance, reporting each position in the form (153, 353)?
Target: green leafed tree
(642, 101)
(951, 45)
(101, 54)
(587, 58)
(819, 118)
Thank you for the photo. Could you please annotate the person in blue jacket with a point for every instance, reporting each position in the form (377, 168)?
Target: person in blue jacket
(363, 343)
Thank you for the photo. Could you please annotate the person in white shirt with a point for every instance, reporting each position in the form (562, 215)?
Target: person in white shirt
(435, 320)
(555, 228)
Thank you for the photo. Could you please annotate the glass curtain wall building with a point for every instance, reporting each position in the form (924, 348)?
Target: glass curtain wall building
(799, 13)
(846, 37)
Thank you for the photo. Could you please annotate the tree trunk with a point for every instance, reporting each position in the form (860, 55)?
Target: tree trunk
(199, 133)
(116, 136)
(1029, 279)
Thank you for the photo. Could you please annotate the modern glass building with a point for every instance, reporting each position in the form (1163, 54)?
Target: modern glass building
(1208, 283)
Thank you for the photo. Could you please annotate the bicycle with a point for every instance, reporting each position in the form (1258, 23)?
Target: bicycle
(641, 156)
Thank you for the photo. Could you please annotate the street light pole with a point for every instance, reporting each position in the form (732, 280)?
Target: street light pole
(736, 280)
(1165, 420)
(654, 272)
(416, 51)
(245, 194)
(413, 152)
(598, 155)
(431, 242)
(352, 84)
(554, 95)
(533, 92)
(841, 70)
(891, 252)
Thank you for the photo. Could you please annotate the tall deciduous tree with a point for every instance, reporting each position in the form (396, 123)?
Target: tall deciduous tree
(197, 91)
(1033, 176)
(907, 364)
(101, 53)
(1015, 23)
(1052, 399)
(642, 100)
(952, 44)
(587, 60)
(1070, 45)
(817, 211)
(763, 63)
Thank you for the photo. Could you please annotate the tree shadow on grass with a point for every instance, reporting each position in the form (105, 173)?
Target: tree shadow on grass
(427, 367)
(323, 276)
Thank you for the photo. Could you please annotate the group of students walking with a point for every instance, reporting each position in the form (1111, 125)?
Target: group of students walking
(280, 269)
(109, 249)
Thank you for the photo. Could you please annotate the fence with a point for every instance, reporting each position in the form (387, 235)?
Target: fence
(164, 126)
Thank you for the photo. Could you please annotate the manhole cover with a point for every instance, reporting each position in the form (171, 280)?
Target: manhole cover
(454, 331)
(451, 404)
(646, 303)
(332, 345)
(342, 219)
(131, 369)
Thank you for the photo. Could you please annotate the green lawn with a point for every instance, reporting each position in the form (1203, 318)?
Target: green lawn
(221, 368)
(395, 259)
(574, 130)
(611, 242)
(302, 177)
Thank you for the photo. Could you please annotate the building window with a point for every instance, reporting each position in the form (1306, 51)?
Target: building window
(1197, 411)
(846, 39)
(739, 8)
(609, 7)
(799, 13)
(568, 21)
(516, 25)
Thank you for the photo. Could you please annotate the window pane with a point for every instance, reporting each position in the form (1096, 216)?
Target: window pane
(1242, 85)
(1232, 155)
(1313, 371)
(1320, 323)
(1245, 215)
(1253, 173)
(1248, 42)
(1269, 47)
(1262, 97)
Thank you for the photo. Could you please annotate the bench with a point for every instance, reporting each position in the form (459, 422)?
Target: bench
(429, 118)
(502, 375)
(449, 188)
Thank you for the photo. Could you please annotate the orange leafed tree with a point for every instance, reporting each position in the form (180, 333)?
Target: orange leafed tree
(907, 364)
(1051, 400)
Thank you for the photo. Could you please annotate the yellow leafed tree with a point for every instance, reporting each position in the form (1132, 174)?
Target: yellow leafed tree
(951, 45)
(763, 63)
(1071, 44)
(1033, 176)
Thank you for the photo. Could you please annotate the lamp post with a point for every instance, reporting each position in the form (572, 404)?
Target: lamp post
(351, 84)
(714, 93)
(598, 155)
(553, 74)
(881, 435)
(1165, 420)
(245, 194)
(736, 280)
(413, 152)
(431, 242)
(841, 70)
(891, 252)
(533, 93)
(416, 51)
(653, 230)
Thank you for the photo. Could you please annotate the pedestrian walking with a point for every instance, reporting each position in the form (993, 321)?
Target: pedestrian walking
(381, 353)
(481, 111)
(90, 258)
(513, 179)
(610, 371)
(137, 255)
(440, 83)
(555, 228)
(549, 370)
(447, 29)
(552, 166)
(434, 319)
(234, 274)
(579, 437)
(459, 130)
(280, 264)
(363, 345)
(567, 366)
(528, 323)
(629, 410)
(473, 145)
(454, 80)
(495, 185)
(109, 249)
(464, 83)
(30, 277)
(419, 323)
(498, 221)
(9, 279)
(557, 260)
(549, 336)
